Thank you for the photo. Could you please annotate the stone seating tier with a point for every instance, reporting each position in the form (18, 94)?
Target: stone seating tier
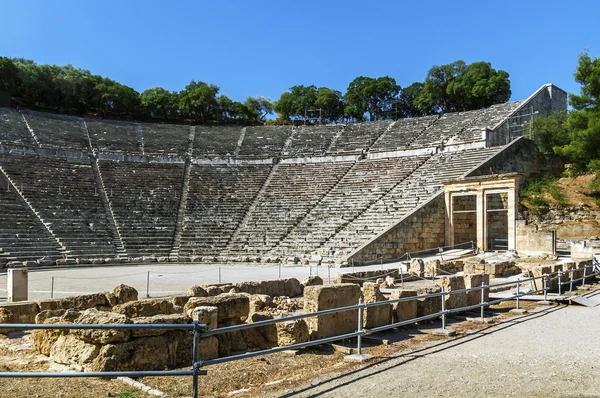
(361, 186)
(58, 131)
(412, 192)
(312, 140)
(291, 192)
(216, 140)
(358, 137)
(145, 200)
(114, 136)
(218, 198)
(13, 129)
(265, 141)
(22, 235)
(64, 193)
(165, 138)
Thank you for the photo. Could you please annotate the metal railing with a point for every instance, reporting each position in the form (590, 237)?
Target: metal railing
(199, 331)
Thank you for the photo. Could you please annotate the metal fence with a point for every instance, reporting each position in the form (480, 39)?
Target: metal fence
(199, 330)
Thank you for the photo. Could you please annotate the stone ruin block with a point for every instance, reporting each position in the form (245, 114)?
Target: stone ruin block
(317, 298)
(292, 332)
(279, 287)
(428, 305)
(125, 294)
(538, 271)
(196, 291)
(293, 288)
(206, 315)
(403, 310)
(150, 307)
(230, 305)
(112, 350)
(475, 280)
(502, 268)
(20, 312)
(432, 268)
(312, 280)
(379, 315)
(474, 267)
(172, 319)
(417, 267)
(260, 337)
(450, 284)
(554, 278)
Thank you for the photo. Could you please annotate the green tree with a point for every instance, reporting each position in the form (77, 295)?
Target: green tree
(479, 86)
(10, 78)
(160, 103)
(551, 131)
(583, 123)
(460, 87)
(372, 96)
(408, 105)
(259, 106)
(295, 102)
(331, 104)
(197, 99)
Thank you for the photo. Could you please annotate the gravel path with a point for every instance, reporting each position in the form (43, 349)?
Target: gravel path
(552, 351)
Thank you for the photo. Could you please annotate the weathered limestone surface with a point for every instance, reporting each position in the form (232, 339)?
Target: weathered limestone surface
(475, 280)
(205, 315)
(260, 337)
(417, 267)
(428, 305)
(150, 307)
(404, 310)
(172, 319)
(196, 291)
(125, 293)
(101, 336)
(292, 332)
(317, 298)
(69, 350)
(451, 283)
(379, 315)
(20, 312)
(313, 280)
(230, 305)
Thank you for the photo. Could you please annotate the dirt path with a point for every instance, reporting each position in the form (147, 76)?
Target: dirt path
(552, 351)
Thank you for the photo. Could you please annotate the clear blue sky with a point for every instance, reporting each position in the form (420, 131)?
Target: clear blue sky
(264, 47)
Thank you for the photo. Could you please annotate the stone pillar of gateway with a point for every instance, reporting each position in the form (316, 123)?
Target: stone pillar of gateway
(482, 210)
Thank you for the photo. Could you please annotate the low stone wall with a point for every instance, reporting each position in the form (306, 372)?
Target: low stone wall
(360, 277)
(494, 270)
(148, 349)
(318, 298)
(531, 241)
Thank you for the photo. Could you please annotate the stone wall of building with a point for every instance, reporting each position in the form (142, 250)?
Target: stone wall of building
(522, 157)
(532, 241)
(547, 99)
(422, 229)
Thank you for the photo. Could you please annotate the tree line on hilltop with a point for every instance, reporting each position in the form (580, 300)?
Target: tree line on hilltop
(66, 89)
(575, 134)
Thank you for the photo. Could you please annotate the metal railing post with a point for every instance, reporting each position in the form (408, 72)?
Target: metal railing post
(518, 291)
(52, 288)
(571, 281)
(560, 282)
(443, 296)
(329, 273)
(196, 363)
(360, 326)
(279, 270)
(545, 279)
(219, 274)
(148, 284)
(483, 286)
(583, 279)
